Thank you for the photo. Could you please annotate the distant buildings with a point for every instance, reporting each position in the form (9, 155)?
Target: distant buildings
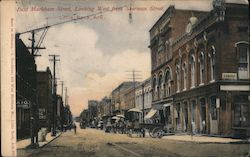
(44, 96)
(122, 97)
(93, 109)
(143, 97)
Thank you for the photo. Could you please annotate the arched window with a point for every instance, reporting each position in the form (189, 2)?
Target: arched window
(154, 88)
(184, 72)
(211, 56)
(192, 70)
(168, 82)
(177, 77)
(243, 59)
(160, 86)
(202, 67)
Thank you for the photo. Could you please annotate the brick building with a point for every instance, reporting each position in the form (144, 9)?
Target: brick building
(26, 98)
(200, 73)
(44, 93)
(117, 97)
(93, 109)
(143, 96)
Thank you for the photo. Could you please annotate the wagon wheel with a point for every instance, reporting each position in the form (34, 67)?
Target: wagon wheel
(151, 133)
(157, 132)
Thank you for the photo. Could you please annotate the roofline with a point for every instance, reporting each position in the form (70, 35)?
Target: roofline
(170, 7)
(173, 7)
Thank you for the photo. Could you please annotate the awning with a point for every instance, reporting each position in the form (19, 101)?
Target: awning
(167, 105)
(120, 116)
(150, 114)
(115, 117)
(134, 110)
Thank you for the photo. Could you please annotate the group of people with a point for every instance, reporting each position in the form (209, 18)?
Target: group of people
(123, 126)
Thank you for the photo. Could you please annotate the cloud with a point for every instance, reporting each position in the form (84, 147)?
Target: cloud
(95, 55)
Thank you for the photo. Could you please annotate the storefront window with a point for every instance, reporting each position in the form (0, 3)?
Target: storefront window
(213, 109)
(241, 111)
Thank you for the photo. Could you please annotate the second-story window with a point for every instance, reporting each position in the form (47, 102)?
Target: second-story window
(177, 77)
(192, 70)
(211, 56)
(202, 67)
(168, 82)
(184, 71)
(243, 60)
(160, 86)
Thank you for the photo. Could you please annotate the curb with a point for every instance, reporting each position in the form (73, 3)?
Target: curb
(197, 142)
(50, 141)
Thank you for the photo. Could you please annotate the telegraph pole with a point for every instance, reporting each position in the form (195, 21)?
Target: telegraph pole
(135, 76)
(143, 108)
(54, 59)
(65, 96)
(33, 105)
(62, 83)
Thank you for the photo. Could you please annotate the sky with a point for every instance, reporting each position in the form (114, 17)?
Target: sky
(95, 54)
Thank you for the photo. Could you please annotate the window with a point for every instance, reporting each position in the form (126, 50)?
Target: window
(184, 69)
(160, 86)
(177, 115)
(241, 111)
(168, 82)
(243, 60)
(154, 87)
(202, 67)
(193, 110)
(192, 65)
(213, 109)
(177, 78)
(211, 56)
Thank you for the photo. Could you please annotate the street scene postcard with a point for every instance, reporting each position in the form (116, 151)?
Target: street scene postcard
(125, 78)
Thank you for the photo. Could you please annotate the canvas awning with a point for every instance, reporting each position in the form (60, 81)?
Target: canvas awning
(150, 114)
(167, 105)
(134, 110)
(120, 116)
(115, 117)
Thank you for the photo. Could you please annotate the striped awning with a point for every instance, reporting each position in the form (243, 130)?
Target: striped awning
(150, 114)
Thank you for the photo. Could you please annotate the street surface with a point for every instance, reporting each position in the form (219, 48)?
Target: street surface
(97, 143)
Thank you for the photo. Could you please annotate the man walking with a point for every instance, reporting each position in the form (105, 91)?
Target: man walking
(74, 128)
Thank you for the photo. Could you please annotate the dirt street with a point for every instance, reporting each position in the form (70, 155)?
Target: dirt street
(97, 143)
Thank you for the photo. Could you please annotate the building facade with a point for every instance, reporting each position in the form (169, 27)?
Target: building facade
(118, 99)
(93, 109)
(26, 98)
(202, 81)
(44, 94)
(143, 97)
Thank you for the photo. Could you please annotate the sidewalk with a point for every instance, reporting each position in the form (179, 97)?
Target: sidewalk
(203, 139)
(22, 144)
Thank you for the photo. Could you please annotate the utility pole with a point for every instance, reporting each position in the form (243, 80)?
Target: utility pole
(143, 108)
(33, 105)
(135, 74)
(62, 83)
(65, 96)
(54, 59)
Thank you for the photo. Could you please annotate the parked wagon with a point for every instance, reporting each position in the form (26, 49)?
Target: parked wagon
(155, 130)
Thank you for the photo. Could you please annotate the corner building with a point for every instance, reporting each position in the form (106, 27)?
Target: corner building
(200, 70)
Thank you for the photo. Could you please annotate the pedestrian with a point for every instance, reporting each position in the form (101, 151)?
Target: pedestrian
(74, 128)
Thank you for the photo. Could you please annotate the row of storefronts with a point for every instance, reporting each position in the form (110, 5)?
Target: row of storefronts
(34, 101)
